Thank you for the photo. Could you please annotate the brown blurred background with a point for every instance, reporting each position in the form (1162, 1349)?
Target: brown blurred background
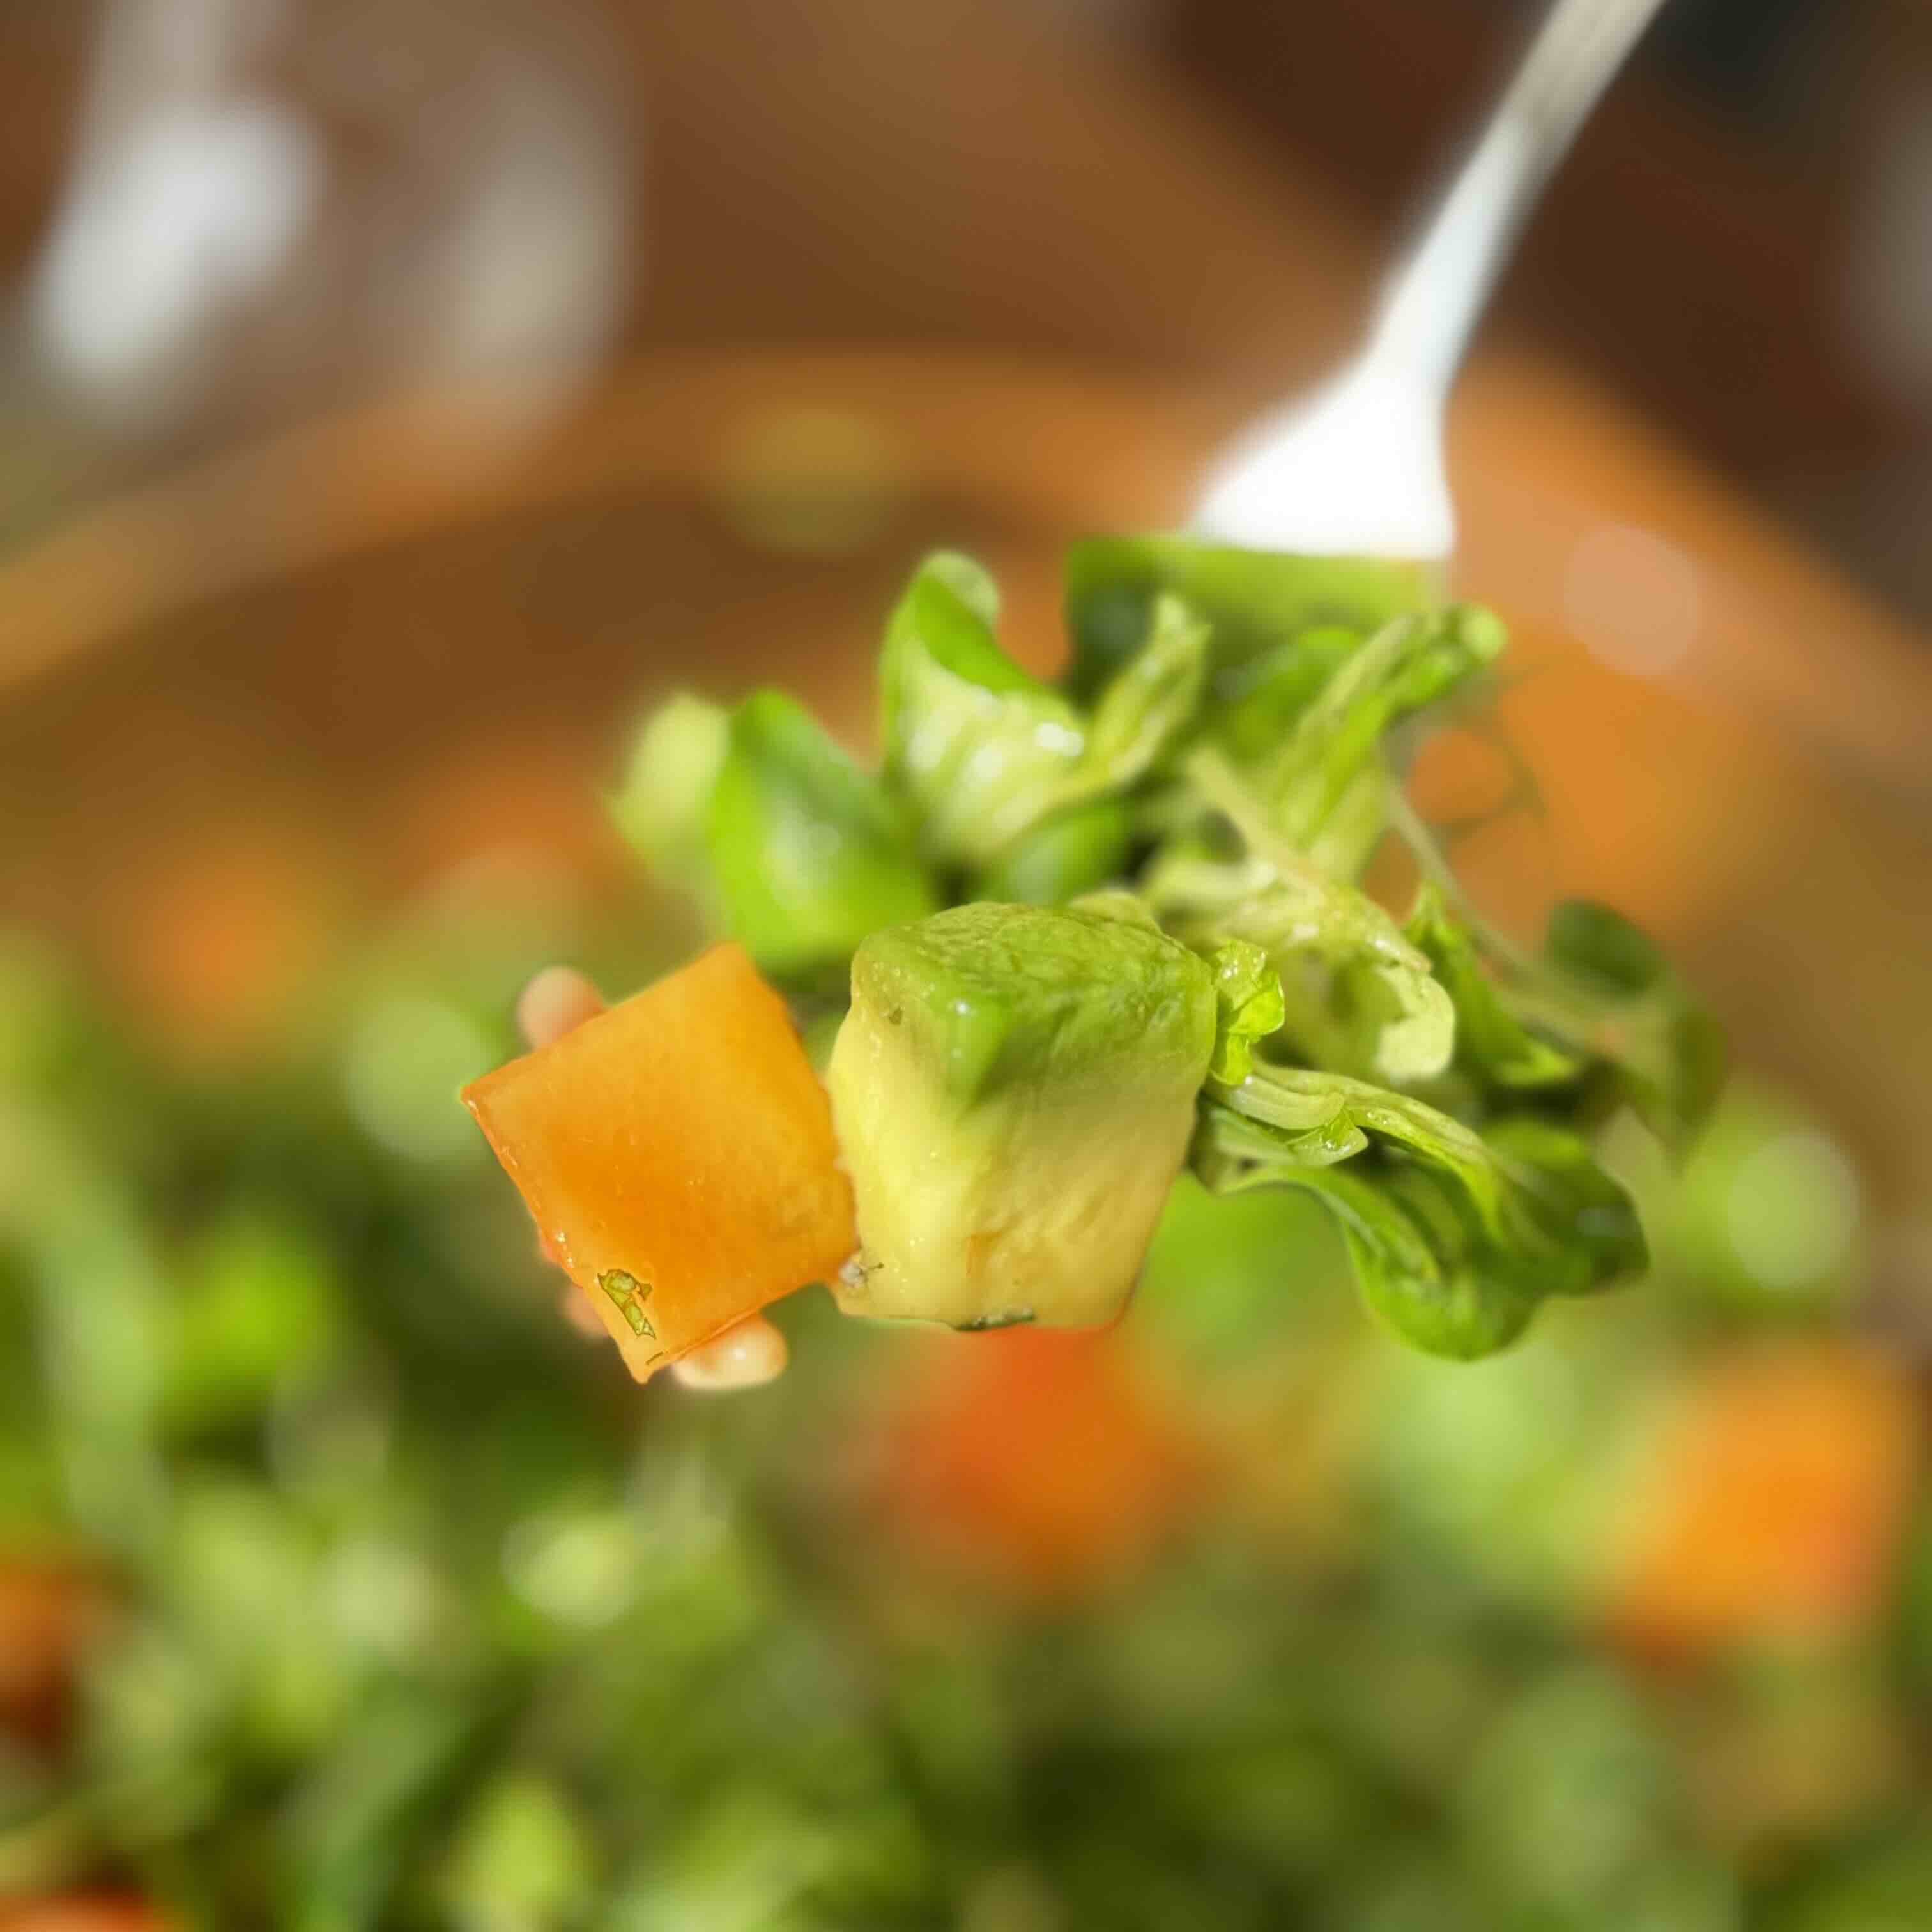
(1740, 244)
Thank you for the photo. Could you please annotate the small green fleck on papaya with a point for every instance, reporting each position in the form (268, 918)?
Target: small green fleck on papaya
(627, 1292)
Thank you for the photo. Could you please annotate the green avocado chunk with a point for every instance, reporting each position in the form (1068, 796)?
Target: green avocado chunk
(1014, 1089)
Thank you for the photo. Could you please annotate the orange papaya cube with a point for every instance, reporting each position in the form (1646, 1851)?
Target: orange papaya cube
(677, 1155)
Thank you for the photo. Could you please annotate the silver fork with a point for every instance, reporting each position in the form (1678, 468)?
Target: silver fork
(1355, 466)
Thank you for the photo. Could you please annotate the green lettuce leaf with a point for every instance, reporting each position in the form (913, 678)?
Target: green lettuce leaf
(1357, 996)
(1411, 1264)
(1600, 995)
(1492, 1045)
(1603, 992)
(1248, 1006)
(1255, 602)
(1283, 1095)
(1256, 704)
(805, 852)
(660, 805)
(1457, 1235)
(984, 753)
(1143, 710)
(1602, 949)
(1335, 749)
(1066, 853)
(979, 749)
(1595, 1237)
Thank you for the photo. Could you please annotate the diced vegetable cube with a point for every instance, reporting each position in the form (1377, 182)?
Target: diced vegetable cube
(1014, 1088)
(677, 1154)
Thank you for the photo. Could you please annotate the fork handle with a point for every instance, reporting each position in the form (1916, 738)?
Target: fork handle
(1430, 304)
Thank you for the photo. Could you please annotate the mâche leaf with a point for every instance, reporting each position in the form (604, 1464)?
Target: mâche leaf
(1280, 1095)
(1410, 1256)
(1248, 1006)
(1505, 1216)
(786, 843)
(1146, 706)
(1599, 948)
(1492, 1044)
(1357, 996)
(1256, 704)
(1067, 853)
(1464, 1304)
(986, 753)
(1589, 1220)
(1412, 662)
(660, 805)
(978, 748)
(1602, 992)
(807, 853)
